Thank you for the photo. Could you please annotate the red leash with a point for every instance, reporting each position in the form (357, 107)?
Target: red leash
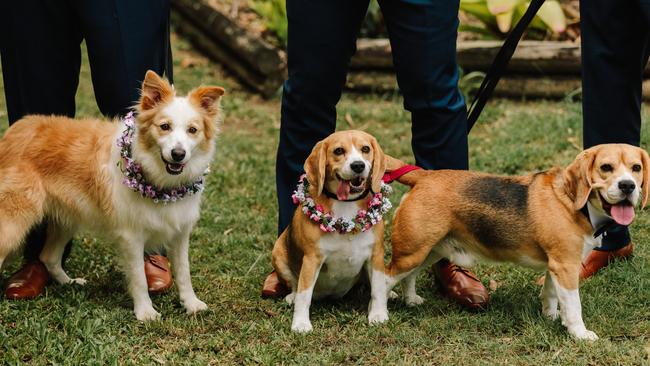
(391, 176)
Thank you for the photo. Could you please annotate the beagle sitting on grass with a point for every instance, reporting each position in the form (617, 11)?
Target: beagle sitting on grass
(337, 230)
(547, 220)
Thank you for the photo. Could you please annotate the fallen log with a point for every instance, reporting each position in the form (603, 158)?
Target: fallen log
(537, 70)
(531, 57)
(257, 63)
(513, 86)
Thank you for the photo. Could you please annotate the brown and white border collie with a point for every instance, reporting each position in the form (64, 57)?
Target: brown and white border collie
(72, 173)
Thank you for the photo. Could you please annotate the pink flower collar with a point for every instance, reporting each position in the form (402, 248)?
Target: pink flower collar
(377, 206)
(134, 176)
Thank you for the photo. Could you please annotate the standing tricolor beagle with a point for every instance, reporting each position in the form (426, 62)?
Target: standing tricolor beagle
(337, 229)
(548, 220)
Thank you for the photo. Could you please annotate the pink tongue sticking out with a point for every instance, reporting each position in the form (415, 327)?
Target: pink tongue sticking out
(344, 190)
(623, 214)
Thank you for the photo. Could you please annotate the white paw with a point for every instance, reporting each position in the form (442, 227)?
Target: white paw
(301, 326)
(194, 305)
(289, 298)
(392, 295)
(583, 334)
(147, 313)
(378, 317)
(551, 313)
(79, 281)
(414, 300)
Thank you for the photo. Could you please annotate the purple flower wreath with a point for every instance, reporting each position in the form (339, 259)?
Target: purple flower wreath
(377, 206)
(134, 177)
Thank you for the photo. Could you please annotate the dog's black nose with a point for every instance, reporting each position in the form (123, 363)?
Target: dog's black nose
(358, 166)
(178, 154)
(627, 186)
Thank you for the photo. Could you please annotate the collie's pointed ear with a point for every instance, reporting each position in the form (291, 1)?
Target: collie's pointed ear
(577, 178)
(207, 98)
(645, 186)
(154, 91)
(315, 166)
(378, 165)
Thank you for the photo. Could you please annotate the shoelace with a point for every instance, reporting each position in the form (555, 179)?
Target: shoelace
(155, 262)
(456, 268)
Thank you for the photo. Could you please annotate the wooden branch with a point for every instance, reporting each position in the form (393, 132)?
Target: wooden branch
(531, 57)
(267, 85)
(257, 63)
(509, 87)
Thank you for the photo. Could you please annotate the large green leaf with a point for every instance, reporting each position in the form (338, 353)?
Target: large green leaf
(478, 8)
(504, 21)
(497, 7)
(552, 15)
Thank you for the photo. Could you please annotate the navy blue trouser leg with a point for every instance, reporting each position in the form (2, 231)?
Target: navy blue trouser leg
(423, 41)
(615, 40)
(322, 36)
(321, 39)
(40, 49)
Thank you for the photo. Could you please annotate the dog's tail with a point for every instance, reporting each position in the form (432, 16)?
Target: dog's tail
(408, 177)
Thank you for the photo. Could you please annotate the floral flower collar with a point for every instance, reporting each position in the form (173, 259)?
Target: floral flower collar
(134, 177)
(377, 206)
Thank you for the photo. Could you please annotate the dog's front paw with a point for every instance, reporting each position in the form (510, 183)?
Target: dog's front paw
(392, 295)
(146, 314)
(377, 317)
(583, 334)
(414, 300)
(301, 326)
(194, 305)
(551, 312)
(78, 281)
(289, 298)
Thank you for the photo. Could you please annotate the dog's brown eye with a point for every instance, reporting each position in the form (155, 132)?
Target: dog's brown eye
(165, 127)
(339, 151)
(192, 130)
(365, 149)
(636, 168)
(606, 168)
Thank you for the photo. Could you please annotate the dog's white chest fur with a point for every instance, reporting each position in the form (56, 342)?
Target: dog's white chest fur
(344, 256)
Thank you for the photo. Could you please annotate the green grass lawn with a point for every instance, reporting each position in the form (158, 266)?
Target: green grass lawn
(231, 248)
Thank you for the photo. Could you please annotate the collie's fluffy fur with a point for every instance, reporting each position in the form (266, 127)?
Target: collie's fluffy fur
(66, 172)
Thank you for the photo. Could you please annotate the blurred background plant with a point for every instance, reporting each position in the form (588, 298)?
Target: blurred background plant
(496, 18)
(274, 13)
(479, 19)
(469, 84)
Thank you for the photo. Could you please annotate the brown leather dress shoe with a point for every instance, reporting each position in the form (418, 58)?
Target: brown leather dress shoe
(598, 259)
(159, 277)
(461, 285)
(273, 288)
(29, 282)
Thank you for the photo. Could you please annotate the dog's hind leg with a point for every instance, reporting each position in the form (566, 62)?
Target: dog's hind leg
(408, 285)
(52, 254)
(279, 259)
(411, 252)
(178, 253)
(21, 208)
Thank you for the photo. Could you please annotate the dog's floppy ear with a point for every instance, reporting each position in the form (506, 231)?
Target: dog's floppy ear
(378, 165)
(154, 90)
(645, 186)
(207, 98)
(577, 178)
(315, 166)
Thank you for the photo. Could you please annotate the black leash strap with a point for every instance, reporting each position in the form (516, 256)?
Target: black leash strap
(500, 63)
